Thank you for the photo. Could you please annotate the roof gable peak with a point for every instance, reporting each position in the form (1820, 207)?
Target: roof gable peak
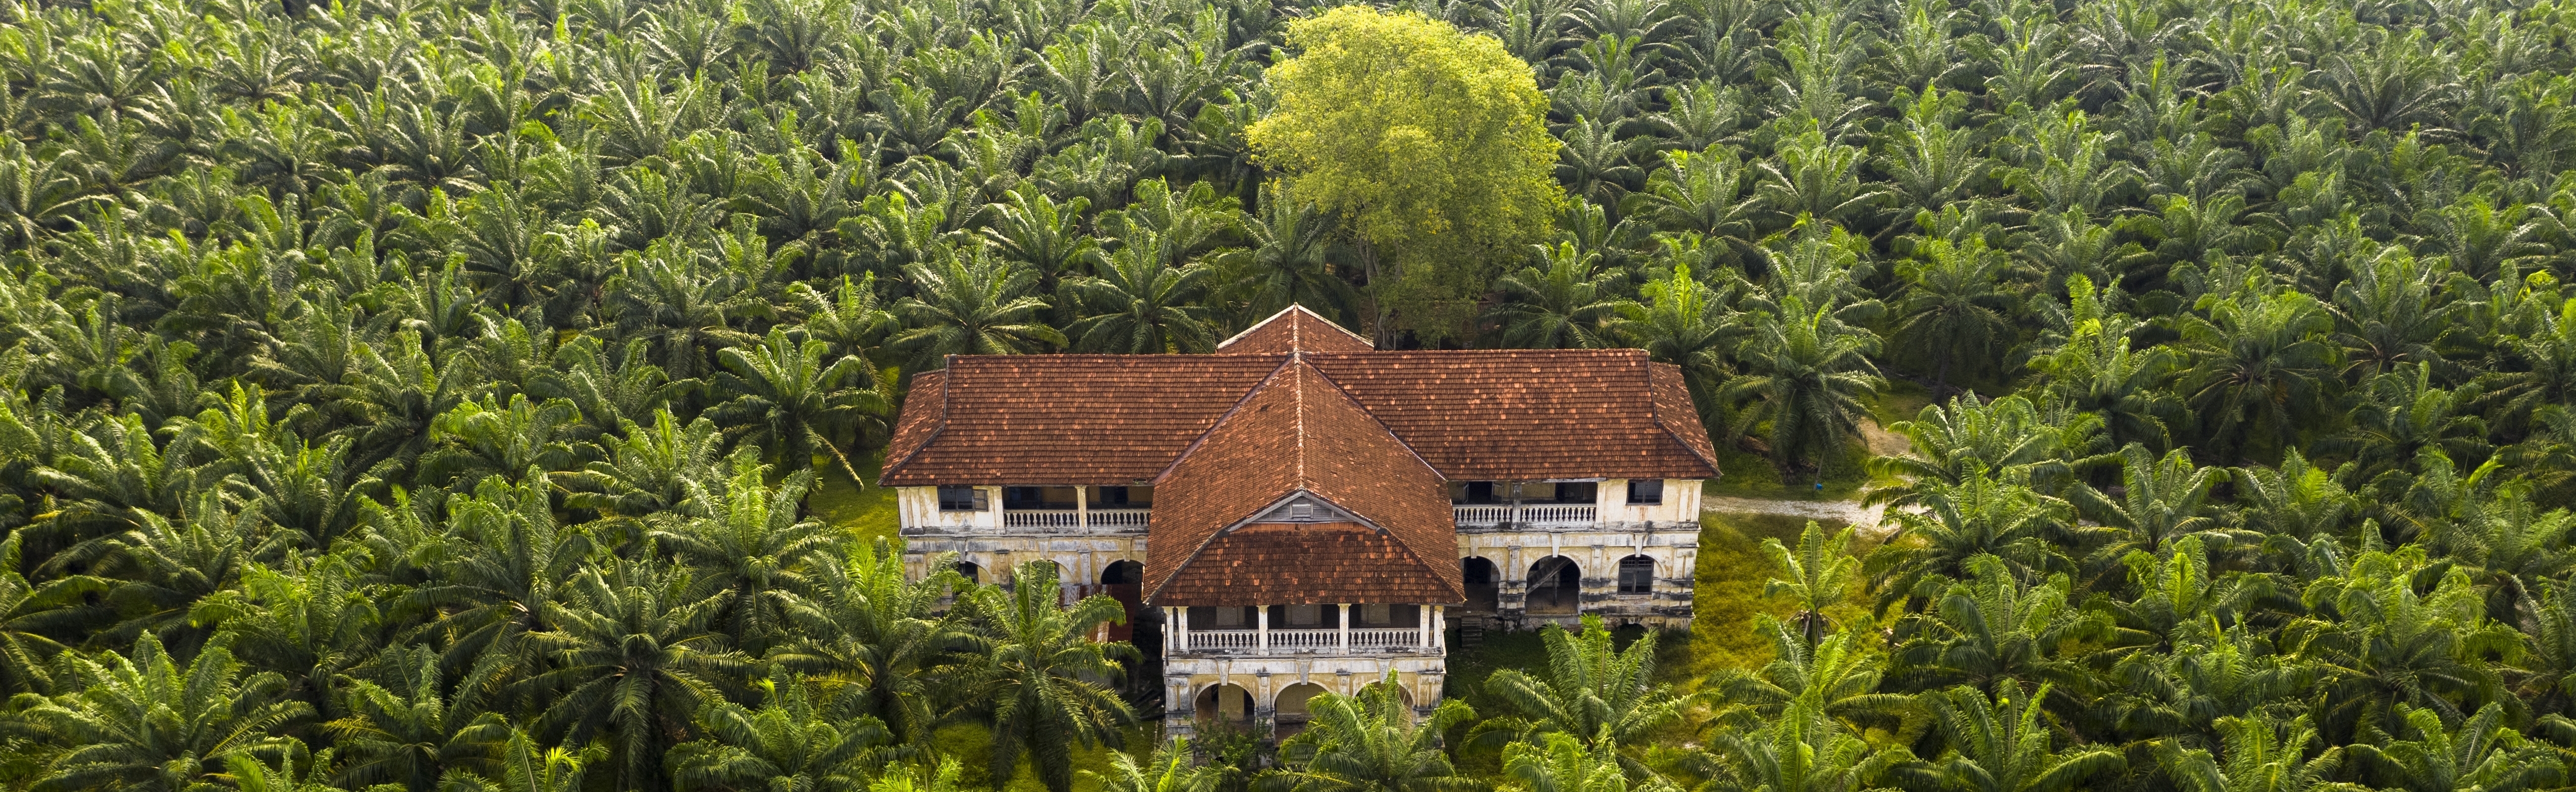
(1295, 329)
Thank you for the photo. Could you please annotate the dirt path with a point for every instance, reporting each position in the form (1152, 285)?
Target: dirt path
(1870, 519)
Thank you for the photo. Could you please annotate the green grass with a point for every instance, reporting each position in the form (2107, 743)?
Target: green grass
(1750, 475)
(1726, 593)
(864, 514)
(1901, 400)
(972, 743)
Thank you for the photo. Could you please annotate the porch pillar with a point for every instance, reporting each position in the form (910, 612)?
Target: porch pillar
(1181, 629)
(1081, 506)
(1439, 626)
(1261, 628)
(1422, 629)
(1343, 640)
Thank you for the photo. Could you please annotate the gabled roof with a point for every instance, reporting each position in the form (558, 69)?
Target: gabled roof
(1295, 328)
(1297, 435)
(1475, 415)
(1062, 419)
(1506, 414)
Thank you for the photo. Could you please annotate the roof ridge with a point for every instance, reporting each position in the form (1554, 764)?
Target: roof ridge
(1221, 418)
(1380, 422)
(1655, 412)
(939, 424)
(1295, 328)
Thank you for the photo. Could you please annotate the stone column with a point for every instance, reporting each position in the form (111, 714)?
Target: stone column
(1261, 628)
(1343, 641)
(1081, 507)
(1422, 628)
(1180, 631)
(1439, 626)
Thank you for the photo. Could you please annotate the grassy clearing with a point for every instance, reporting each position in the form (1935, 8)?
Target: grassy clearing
(1901, 400)
(1727, 591)
(971, 743)
(864, 514)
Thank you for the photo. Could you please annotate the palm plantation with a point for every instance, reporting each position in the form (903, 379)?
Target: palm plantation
(468, 397)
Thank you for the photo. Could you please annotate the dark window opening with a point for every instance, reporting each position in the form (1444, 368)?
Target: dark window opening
(1646, 491)
(1578, 492)
(1123, 572)
(1110, 496)
(1472, 492)
(1037, 497)
(972, 573)
(1636, 575)
(961, 499)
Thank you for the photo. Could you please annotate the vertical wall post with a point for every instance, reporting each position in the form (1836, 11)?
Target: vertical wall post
(1343, 641)
(1261, 628)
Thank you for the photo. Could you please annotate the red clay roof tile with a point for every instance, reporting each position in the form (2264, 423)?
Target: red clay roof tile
(1301, 564)
(1068, 419)
(1291, 329)
(1298, 433)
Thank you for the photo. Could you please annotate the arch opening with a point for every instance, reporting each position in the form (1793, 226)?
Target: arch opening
(1484, 585)
(1224, 703)
(1291, 713)
(1555, 587)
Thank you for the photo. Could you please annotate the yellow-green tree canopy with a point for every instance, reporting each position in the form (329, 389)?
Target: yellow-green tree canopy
(1431, 144)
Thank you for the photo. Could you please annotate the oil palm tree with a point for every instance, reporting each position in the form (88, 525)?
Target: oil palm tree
(1805, 374)
(1820, 574)
(142, 721)
(867, 621)
(1139, 302)
(1569, 304)
(1592, 691)
(1373, 742)
(634, 652)
(790, 741)
(1954, 304)
(1043, 674)
(789, 402)
(966, 304)
(412, 733)
(2001, 745)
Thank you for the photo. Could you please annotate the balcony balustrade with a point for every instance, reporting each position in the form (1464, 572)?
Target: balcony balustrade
(1480, 515)
(1364, 640)
(1074, 519)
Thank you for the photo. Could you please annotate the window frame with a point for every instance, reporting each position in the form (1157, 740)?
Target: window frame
(975, 500)
(1656, 485)
(1645, 584)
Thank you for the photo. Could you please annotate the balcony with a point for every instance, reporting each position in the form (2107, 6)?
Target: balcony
(1074, 519)
(1372, 640)
(1533, 514)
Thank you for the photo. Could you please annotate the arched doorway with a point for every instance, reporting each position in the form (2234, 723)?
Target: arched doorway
(1119, 580)
(1484, 585)
(1292, 714)
(1224, 704)
(1555, 587)
(969, 570)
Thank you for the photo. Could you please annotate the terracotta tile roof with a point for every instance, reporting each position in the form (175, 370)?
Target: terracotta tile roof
(1064, 419)
(1300, 564)
(1509, 414)
(924, 411)
(1294, 328)
(1675, 412)
(1297, 433)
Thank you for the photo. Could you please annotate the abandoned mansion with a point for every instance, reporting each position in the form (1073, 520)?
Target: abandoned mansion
(1299, 512)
